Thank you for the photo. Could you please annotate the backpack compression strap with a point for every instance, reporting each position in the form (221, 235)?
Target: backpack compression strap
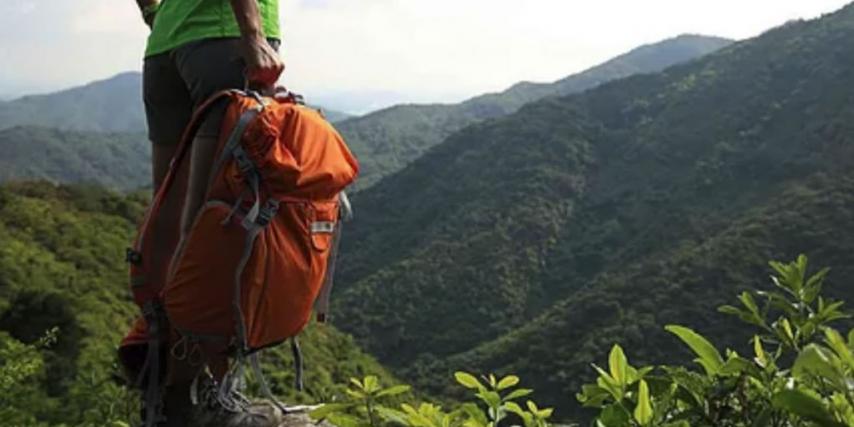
(321, 306)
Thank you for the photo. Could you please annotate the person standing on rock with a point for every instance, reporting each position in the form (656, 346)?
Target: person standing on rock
(195, 49)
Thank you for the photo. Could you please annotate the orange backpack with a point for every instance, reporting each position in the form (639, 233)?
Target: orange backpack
(260, 254)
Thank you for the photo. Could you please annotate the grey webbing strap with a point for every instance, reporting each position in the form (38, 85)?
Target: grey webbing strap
(249, 244)
(346, 207)
(250, 174)
(298, 365)
(235, 137)
(322, 304)
(262, 382)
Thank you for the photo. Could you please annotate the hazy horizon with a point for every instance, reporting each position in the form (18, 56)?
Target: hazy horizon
(362, 57)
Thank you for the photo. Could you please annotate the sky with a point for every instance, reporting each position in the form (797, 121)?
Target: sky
(359, 55)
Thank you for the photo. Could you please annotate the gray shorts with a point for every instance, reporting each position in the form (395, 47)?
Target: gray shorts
(175, 82)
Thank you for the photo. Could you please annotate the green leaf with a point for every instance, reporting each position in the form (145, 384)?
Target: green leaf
(514, 408)
(532, 406)
(545, 413)
(372, 384)
(515, 394)
(643, 410)
(474, 413)
(785, 333)
(492, 381)
(592, 396)
(491, 398)
(735, 366)
(838, 344)
(344, 420)
(605, 381)
(468, 381)
(814, 285)
(806, 406)
(507, 382)
(617, 364)
(818, 361)
(612, 416)
(747, 299)
(356, 394)
(323, 411)
(392, 415)
(394, 391)
(710, 358)
(761, 358)
(744, 315)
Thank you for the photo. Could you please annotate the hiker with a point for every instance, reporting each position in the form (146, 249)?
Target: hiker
(195, 49)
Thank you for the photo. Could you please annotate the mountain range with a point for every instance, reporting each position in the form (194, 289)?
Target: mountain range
(530, 243)
(387, 140)
(110, 105)
(526, 231)
(109, 114)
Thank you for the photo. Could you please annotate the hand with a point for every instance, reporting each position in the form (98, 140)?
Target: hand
(263, 64)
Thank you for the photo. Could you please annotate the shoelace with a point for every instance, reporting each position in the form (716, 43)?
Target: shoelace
(233, 401)
(225, 397)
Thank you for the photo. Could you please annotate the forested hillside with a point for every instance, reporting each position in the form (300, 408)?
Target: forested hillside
(110, 105)
(96, 133)
(114, 160)
(388, 140)
(61, 265)
(529, 244)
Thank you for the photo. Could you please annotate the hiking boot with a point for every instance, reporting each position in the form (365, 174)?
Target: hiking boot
(231, 409)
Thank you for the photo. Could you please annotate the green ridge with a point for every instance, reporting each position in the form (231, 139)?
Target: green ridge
(529, 215)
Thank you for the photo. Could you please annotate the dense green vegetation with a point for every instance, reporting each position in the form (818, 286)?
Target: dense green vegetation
(529, 244)
(799, 374)
(61, 267)
(388, 140)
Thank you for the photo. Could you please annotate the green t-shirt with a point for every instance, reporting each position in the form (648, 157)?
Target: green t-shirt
(181, 21)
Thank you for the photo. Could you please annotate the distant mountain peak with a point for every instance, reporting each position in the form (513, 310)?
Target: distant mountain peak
(388, 139)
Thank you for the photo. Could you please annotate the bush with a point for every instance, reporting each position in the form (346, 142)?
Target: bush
(801, 374)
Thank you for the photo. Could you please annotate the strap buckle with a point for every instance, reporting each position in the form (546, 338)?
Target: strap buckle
(244, 163)
(267, 212)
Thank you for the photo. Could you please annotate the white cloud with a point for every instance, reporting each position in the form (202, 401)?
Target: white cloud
(423, 50)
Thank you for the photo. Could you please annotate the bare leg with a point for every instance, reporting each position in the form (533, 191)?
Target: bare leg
(201, 162)
(202, 159)
(167, 223)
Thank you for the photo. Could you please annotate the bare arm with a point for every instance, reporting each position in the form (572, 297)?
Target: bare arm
(263, 65)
